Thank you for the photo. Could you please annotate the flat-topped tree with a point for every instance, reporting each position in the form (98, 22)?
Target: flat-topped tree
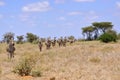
(88, 32)
(102, 26)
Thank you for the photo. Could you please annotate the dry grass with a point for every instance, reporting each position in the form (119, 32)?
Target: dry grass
(80, 61)
(95, 60)
(0, 71)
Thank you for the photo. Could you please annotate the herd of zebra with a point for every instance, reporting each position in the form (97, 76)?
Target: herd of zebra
(48, 43)
(52, 43)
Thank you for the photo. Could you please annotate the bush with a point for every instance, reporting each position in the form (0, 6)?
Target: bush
(25, 66)
(31, 37)
(107, 37)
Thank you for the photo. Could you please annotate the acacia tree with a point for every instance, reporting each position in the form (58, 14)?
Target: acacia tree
(88, 32)
(8, 36)
(31, 37)
(97, 29)
(102, 26)
(96, 33)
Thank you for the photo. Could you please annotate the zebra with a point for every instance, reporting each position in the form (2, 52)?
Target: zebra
(40, 45)
(10, 49)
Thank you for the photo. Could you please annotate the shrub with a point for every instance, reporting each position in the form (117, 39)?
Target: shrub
(107, 37)
(31, 37)
(24, 66)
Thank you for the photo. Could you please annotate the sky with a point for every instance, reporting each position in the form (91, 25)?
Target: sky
(55, 18)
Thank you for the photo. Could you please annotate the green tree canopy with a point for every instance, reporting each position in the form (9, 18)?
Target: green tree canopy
(31, 37)
(20, 39)
(87, 31)
(102, 26)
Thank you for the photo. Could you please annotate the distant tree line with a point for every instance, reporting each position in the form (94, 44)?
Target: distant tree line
(29, 37)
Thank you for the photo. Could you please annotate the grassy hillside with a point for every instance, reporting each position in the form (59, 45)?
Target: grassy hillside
(80, 61)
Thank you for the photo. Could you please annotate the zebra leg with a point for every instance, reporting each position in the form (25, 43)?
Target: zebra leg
(11, 55)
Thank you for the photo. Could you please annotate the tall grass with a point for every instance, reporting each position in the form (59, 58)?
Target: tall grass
(73, 62)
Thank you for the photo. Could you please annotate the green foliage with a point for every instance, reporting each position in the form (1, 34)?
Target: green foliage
(113, 33)
(25, 66)
(107, 37)
(31, 37)
(103, 26)
(88, 32)
(88, 29)
(93, 32)
(20, 39)
(8, 36)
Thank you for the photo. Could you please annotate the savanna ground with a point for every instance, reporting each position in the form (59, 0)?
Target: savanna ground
(80, 61)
